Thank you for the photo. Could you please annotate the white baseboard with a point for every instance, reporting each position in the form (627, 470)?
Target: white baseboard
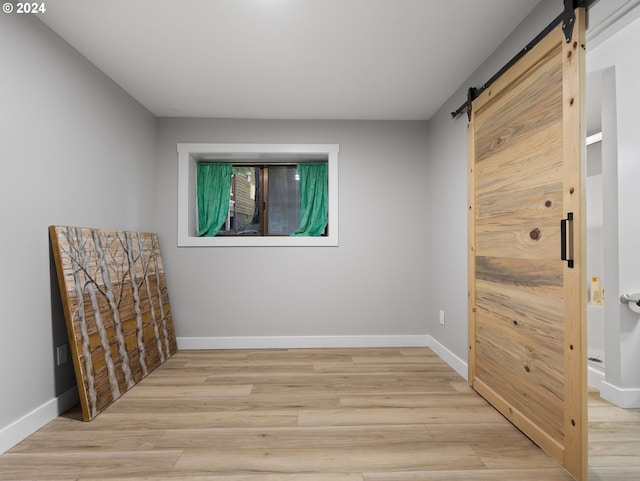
(595, 377)
(294, 342)
(458, 365)
(628, 398)
(29, 423)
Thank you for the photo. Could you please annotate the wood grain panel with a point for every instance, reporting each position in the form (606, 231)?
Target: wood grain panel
(525, 108)
(525, 321)
(515, 368)
(516, 309)
(536, 273)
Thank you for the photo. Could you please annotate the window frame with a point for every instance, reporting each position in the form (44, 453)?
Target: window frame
(191, 153)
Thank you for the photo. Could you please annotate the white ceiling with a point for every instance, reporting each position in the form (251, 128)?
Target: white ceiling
(294, 59)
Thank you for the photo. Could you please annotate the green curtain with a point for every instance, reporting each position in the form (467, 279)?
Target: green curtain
(214, 192)
(314, 195)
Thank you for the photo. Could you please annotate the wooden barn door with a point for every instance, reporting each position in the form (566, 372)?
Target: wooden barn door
(527, 342)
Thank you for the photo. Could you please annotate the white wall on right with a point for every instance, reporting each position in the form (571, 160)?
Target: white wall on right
(595, 263)
(614, 59)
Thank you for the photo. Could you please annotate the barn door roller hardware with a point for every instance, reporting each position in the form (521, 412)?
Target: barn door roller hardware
(567, 18)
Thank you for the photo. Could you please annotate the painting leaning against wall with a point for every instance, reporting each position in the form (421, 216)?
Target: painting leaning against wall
(116, 307)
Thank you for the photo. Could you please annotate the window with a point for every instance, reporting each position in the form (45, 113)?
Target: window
(264, 208)
(264, 200)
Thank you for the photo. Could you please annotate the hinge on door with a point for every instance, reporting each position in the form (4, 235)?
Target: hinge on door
(472, 93)
(568, 19)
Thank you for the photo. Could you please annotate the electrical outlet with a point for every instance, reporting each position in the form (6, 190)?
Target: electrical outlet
(62, 354)
(442, 318)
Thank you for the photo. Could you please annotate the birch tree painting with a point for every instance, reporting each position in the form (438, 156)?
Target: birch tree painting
(117, 309)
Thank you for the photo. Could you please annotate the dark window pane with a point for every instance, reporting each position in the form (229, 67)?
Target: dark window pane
(284, 200)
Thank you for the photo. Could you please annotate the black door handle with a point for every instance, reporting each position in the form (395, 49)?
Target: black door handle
(566, 240)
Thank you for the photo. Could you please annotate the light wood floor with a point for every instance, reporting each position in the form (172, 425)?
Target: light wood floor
(307, 415)
(614, 441)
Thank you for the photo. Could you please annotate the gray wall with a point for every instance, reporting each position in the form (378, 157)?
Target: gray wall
(76, 149)
(374, 283)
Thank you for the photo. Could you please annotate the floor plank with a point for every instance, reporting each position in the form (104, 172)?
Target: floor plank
(379, 414)
(614, 441)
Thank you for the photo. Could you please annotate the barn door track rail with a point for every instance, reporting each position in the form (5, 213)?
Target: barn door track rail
(567, 18)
